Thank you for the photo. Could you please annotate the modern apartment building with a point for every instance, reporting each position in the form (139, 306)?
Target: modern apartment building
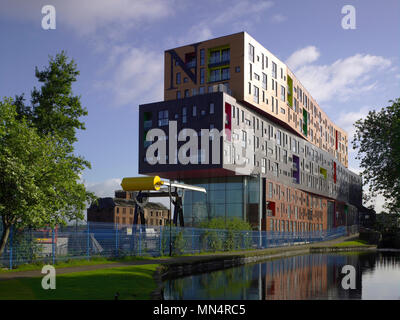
(280, 162)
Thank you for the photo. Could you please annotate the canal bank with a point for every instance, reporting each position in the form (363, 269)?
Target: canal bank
(179, 266)
(191, 265)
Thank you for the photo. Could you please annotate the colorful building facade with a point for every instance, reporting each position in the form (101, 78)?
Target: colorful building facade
(280, 162)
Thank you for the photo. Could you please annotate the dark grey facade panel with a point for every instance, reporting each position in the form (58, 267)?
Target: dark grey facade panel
(284, 150)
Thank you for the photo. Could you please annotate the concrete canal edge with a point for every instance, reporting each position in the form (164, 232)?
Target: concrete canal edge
(341, 249)
(200, 264)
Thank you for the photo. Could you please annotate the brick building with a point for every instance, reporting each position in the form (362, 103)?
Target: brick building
(120, 210)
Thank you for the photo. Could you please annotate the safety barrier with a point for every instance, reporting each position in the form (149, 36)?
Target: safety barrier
(113, 240)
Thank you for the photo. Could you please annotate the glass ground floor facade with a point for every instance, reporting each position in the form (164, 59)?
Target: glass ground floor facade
(264, 204)
(227, 197)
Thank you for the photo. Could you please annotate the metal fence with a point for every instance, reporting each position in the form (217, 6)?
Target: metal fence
(110, 240)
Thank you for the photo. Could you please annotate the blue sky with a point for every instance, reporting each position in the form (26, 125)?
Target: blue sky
(119, 45)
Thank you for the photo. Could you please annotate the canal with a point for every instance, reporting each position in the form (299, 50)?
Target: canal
(311, 276)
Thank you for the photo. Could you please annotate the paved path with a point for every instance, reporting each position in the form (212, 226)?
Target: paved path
(276, 250)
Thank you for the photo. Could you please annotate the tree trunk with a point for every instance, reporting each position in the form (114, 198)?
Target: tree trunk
(4, 238)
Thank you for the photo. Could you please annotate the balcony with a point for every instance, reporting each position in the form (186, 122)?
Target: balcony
(217, 61)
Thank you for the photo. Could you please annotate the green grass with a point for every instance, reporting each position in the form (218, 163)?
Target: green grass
(353, 243)
(78, 262)
(131, 282)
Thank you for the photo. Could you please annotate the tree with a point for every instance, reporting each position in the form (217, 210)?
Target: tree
(39, 172)
(55, 109)
(377, 139)
(39, 178)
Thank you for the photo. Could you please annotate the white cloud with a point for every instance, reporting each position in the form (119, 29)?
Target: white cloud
(302, 57)
(346, 120)
(104, 188)
(232, 16)
(240, 9)
(137, 75)
(340, 80)
(86, 17)
(278, 18)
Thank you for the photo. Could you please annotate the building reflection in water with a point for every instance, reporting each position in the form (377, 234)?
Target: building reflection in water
(313, 276)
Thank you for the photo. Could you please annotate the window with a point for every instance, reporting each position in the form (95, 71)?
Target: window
(249, 87)
(215, 57)
(283, 93)
(202, 76)
(163, 118)
(186, 93)
(244, 138)
(251, 53)
(237, 69)
(194, 91)
(256, 76)
(185, 80)
(201, 90)
(184, 115)
(279, 137)
(211, 108)
(194, 111)
(178, 94)
(178, 78)
(264, 81)
(256, 94)
(225, 74)
(215, 75)
(202, 57)
(226, 54)
(274, 70)
(281, 73)
(270, 189)
(273, 103)
(251, 71)
(262, 61)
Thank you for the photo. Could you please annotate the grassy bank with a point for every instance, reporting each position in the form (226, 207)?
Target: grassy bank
(77, 263)
(353, 243)
(131, 282)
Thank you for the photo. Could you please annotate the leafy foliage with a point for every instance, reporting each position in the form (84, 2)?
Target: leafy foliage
(55, 110)
(377, 140)
(234, 224)
(38, 176)
(228, 235)
(39, 173)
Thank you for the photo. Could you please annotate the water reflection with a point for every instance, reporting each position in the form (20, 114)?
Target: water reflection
(313, 276)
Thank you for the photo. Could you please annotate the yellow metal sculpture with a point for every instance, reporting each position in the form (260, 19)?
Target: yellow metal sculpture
(141, 183)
